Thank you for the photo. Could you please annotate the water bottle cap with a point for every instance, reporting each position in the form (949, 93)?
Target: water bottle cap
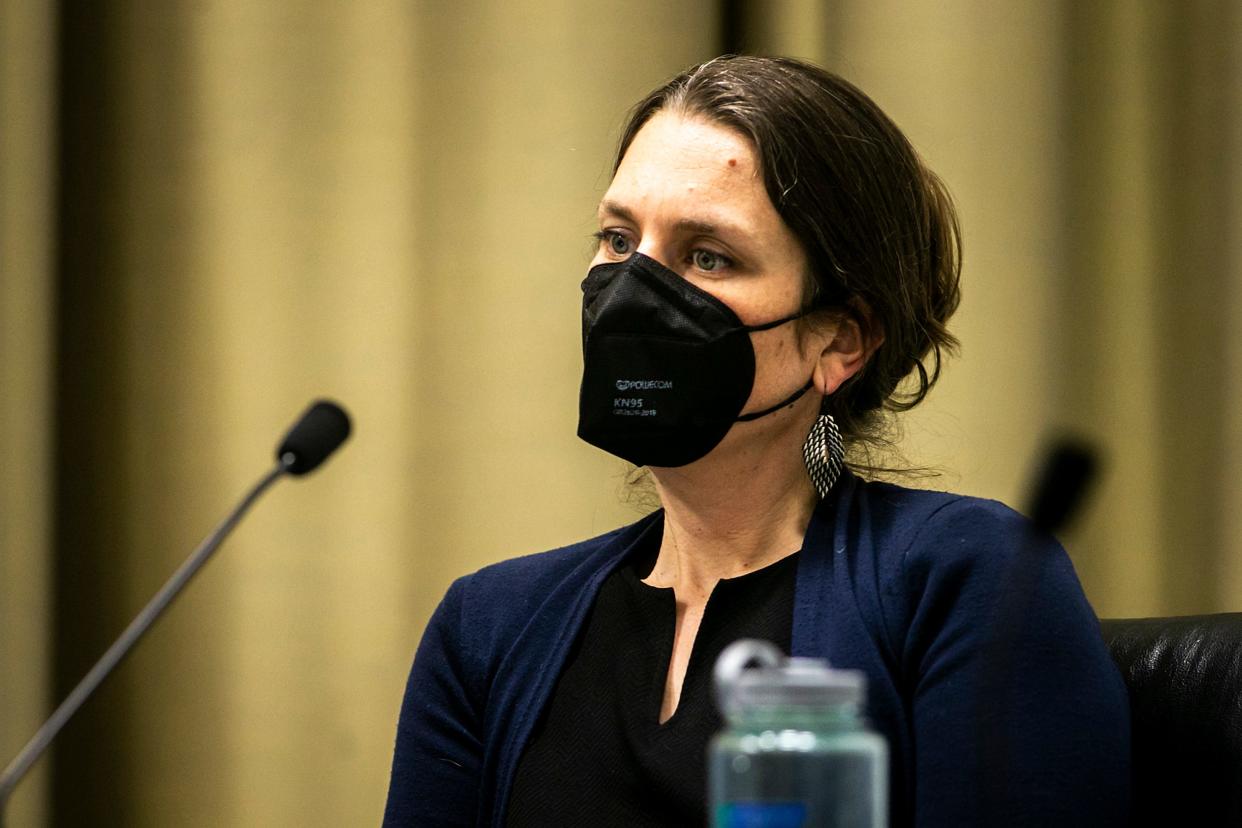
(778, 681)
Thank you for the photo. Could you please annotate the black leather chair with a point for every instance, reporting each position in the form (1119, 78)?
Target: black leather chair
(1185, 680)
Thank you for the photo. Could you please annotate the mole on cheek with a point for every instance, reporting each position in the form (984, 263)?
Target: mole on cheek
(732, 162)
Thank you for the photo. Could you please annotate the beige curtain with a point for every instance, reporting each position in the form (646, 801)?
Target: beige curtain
(27, 103)
(389, 203)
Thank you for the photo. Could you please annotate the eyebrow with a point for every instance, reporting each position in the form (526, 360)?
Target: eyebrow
(694, 225)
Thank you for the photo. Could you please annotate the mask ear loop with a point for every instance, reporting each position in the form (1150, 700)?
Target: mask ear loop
(792, 398)
(775, 323)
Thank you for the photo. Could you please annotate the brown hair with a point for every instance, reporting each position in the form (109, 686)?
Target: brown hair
(878, 226)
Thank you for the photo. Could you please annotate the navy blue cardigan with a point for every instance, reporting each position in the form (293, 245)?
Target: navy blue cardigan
(900, 583)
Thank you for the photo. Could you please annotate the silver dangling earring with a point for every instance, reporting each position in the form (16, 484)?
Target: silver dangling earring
(824, 454)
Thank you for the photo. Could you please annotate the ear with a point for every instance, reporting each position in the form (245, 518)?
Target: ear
(845, 354)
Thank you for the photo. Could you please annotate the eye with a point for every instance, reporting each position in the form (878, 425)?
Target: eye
(708, 261)
(615, 243)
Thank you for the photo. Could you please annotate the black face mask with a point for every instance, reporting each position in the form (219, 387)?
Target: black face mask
(667, 367)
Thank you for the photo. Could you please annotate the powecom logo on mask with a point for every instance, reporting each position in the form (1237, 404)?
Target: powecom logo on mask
(643, 385)
(680, 358)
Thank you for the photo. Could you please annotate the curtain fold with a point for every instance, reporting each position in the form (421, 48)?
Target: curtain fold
(1150, 99)
(27, 300)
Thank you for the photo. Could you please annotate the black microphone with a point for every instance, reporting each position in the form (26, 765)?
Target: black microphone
(318, 432)
(322, 428)
(1069, 468)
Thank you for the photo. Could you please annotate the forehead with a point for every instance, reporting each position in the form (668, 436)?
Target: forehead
(687, 163)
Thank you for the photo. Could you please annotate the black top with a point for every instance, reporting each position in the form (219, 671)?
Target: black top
(599, 755)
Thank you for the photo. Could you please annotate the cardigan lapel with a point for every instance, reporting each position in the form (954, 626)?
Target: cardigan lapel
(816, 565)
(537, 658)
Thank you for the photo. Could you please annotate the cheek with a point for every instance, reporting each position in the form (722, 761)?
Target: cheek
(777, 358)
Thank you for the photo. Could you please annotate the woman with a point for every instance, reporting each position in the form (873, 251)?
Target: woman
(773, 261)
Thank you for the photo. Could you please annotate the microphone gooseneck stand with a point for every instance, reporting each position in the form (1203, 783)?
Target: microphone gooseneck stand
(321, 429)
(121, 647)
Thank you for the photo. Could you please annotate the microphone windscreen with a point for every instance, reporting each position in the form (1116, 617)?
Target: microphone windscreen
(318, 433)
(1068, 471)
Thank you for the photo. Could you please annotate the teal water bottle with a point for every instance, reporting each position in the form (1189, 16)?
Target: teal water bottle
(795, 750)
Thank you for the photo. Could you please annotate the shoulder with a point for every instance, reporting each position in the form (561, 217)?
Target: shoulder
(922, 531)
(939, 556)
(951, 565)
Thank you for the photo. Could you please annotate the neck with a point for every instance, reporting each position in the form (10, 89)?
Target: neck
(732, 512)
